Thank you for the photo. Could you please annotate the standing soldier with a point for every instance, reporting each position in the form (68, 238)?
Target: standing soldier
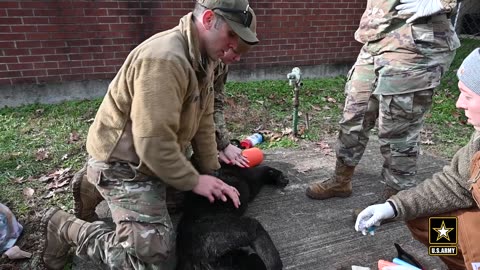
(408, 46)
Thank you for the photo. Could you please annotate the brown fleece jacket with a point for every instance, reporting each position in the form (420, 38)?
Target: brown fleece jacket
(446, 191)
(160, 101)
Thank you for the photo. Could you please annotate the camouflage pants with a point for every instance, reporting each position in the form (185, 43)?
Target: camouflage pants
(144, 237)
(370, 96)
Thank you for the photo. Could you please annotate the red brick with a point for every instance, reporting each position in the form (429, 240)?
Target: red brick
(5, 81)
(49, 79)
(45, 65)
(7, 44)
(55, 58)
(24, 80)
(30, 59)
(10, 74)
(82, 70)
(69, 64)
(19, 12)
(17, 52)
(8, 59)
(35, 72)
(10, 20)
(38, 36)
(108, 19)
(21, 66)
(92, 63)
(28, 44)
(9, 4)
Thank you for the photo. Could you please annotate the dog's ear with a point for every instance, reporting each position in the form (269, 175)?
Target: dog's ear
(277, 177)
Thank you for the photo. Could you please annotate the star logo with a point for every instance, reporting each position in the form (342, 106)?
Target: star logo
(443, 231)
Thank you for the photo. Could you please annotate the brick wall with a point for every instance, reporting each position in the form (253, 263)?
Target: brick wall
(61, 41)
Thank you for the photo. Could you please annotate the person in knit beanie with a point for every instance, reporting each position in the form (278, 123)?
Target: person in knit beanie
(451, 198)
(469, 72)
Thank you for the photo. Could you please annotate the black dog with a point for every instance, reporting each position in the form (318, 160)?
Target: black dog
(217, 236)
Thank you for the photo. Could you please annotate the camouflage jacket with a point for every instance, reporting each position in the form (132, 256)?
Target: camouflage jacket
(221, 133)
(446, 191)
(381, 17)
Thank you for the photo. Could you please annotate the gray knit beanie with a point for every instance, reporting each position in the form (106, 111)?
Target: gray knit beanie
(469, 71)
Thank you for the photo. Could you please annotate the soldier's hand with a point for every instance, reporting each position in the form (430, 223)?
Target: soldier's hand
(233, 155)
(419, 8)
(213, 188)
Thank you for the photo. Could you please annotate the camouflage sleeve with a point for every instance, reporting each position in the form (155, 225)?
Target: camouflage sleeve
(449, 5)
(221, 133)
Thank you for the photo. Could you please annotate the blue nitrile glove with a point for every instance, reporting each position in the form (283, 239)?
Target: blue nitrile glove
(372, 216)
(419, 8)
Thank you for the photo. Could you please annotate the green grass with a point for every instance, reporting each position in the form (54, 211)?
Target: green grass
(27, 129)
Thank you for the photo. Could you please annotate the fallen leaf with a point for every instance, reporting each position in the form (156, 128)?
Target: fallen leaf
(49, 195)
(45, 178)
(74, 137)
(286, 131)
(41, 154)
(39, 112)
(428, 142)
(325, 148)
(18, 167)
(28, 192)
(19, 180)
(15, 253)
(64, 157)
(60, 182)
(331, 100)
(301, 130)
(316, 108)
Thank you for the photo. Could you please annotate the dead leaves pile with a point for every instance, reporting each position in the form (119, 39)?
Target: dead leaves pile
(58, 181)
(324, 148)
(55, 182)
(272, 136)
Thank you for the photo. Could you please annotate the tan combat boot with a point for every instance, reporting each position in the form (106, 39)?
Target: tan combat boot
(60, 234)
(85, 196)
(339, 185)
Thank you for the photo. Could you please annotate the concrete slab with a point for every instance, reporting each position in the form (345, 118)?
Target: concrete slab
(316, 235)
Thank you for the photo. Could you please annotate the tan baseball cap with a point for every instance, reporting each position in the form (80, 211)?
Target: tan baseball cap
(237, 14)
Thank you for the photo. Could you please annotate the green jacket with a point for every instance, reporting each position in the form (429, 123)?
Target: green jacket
(446, 191)
(160, 101)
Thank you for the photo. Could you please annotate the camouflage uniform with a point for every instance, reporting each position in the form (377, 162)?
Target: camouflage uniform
(393, 80)
(144, 237)
(221, 133)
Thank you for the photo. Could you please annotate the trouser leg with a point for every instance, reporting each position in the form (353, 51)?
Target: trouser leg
(400, 122)
(360, 111)
(144, 237)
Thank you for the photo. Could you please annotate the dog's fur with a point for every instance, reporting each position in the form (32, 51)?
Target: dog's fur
(217, 236)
